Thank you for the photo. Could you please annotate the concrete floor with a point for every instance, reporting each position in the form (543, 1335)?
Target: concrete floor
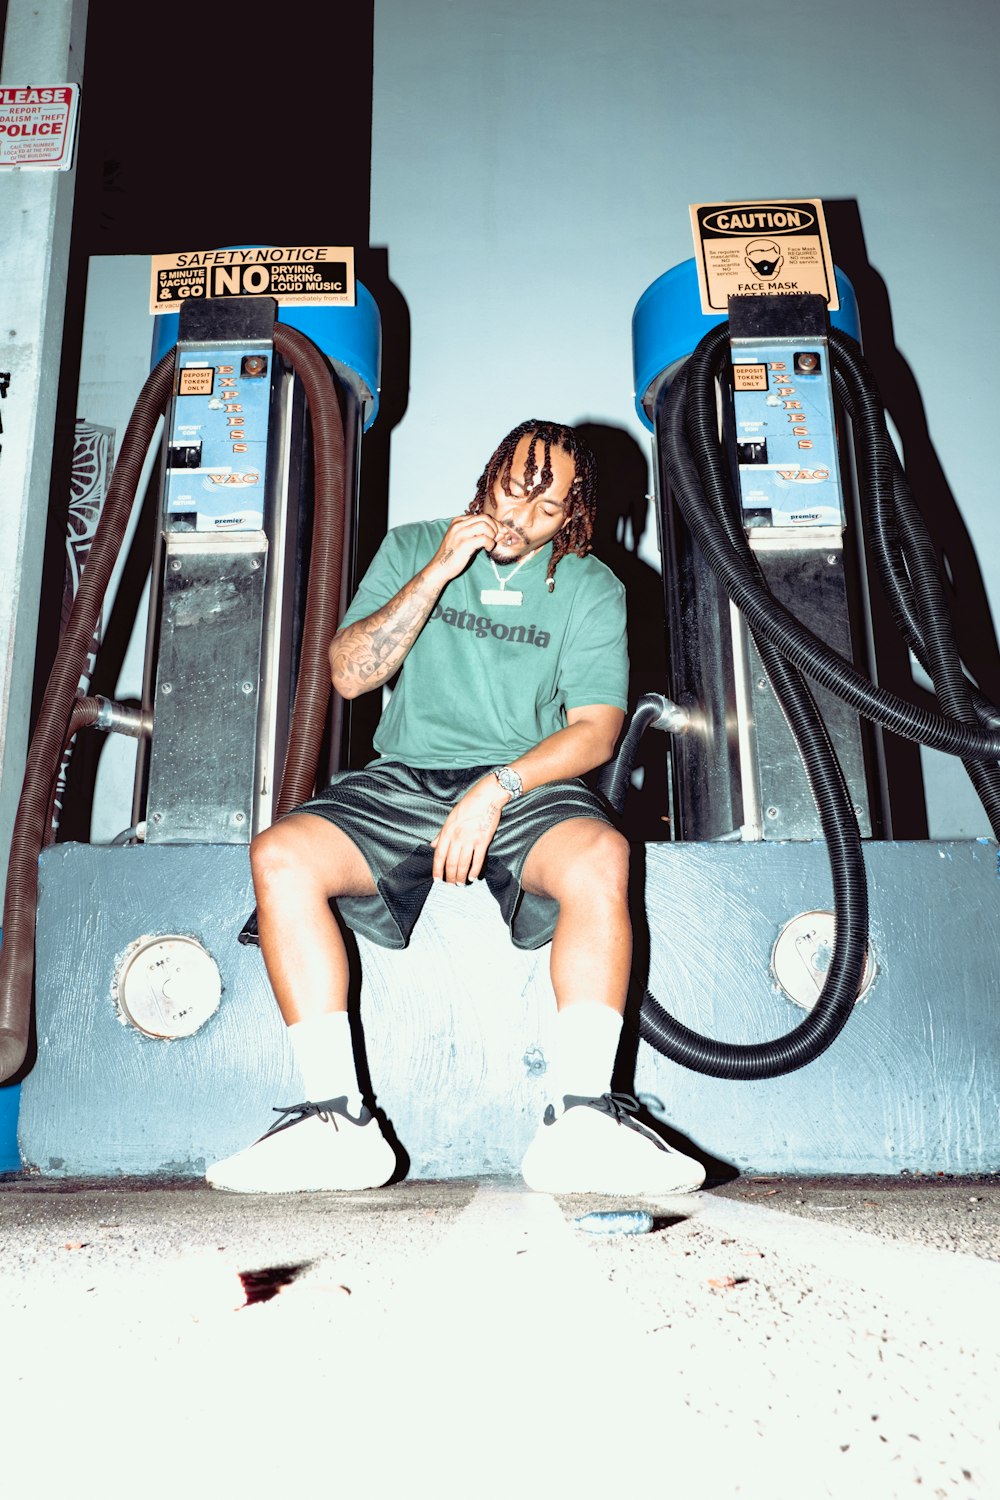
(780, 1339)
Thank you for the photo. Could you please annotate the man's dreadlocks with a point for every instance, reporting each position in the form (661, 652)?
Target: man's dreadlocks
(582, 499)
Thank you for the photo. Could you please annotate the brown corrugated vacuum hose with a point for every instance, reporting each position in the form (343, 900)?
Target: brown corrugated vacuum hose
(62, 710)
(312, 690)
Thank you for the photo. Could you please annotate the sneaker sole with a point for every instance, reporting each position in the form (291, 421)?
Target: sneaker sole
(318, 1187)
(664, 1172)
(568, 1187)
(373, 1169)
(373, 1177)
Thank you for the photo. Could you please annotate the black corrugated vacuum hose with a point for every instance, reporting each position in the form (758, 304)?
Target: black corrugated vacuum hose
(614, 779)
(907, 566)
(769, 618)
(771, 1059)
(907, 563)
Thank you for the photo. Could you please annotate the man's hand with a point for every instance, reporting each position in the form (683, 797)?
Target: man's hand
(460, 848)
(464, 537)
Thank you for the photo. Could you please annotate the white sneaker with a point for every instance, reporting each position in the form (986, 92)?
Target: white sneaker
(312, 1148)
(596, 1146)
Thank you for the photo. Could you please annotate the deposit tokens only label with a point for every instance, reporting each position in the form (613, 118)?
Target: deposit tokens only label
(761, 250)
(312, 275)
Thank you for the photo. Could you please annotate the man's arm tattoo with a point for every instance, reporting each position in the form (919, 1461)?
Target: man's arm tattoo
(493, 810)
(368, 652)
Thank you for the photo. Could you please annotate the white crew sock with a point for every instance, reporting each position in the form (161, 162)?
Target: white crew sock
(586, 1042)
(324, 1053)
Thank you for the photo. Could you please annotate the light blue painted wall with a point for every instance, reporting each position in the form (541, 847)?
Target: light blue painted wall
(532, 167)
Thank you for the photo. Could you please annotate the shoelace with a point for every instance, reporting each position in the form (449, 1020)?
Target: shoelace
(294, 1114)
(623, 1107)
(619, 1106)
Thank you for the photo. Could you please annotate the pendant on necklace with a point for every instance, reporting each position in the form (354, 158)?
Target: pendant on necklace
(500, 596)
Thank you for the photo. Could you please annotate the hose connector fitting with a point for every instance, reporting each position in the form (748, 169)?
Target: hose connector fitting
(118, 718)
(673, 719)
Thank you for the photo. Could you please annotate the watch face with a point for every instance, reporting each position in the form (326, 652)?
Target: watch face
(509, 780)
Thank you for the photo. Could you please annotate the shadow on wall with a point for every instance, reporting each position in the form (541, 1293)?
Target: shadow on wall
(622, 512)
(956, 555)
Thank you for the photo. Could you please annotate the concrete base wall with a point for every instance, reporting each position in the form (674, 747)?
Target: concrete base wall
(458, 1028)
(910, 1083)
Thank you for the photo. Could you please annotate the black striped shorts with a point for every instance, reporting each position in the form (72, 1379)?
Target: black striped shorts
(391, 812)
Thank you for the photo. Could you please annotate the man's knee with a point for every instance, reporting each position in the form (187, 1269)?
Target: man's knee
(275, 851)
(604, 862)
(307, 852)
(587, 860)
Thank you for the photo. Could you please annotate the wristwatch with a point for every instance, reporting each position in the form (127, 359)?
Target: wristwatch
(509, 780)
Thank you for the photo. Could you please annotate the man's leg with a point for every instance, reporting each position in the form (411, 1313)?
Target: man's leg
(583, 864)
(589, 1140)
(298, 865)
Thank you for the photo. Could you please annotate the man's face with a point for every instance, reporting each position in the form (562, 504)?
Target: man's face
(525, 524)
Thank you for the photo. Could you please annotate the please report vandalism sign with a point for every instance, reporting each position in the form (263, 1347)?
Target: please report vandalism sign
(38, 125)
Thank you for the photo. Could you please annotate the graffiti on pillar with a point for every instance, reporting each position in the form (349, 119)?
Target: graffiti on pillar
(93, 458)
(93, 453)
(4, 388)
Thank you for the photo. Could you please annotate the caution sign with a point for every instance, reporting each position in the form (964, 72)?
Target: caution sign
(310, 275)
(38, 126)
(761, 249)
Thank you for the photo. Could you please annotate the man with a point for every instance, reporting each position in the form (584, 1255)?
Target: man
(509, 641)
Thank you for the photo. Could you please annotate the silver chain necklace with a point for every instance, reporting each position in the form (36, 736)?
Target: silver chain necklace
(503, 595)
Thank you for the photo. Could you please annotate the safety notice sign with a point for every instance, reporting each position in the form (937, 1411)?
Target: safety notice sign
(762, 249)
(308, 275)
(38, 125)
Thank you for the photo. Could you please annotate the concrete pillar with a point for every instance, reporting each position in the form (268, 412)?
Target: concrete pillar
(43, 44)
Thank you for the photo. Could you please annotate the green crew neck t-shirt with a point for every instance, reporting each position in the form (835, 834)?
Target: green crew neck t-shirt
(484, 682)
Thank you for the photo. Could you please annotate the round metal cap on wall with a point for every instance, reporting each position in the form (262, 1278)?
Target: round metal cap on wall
(800, 958)
(167, 986)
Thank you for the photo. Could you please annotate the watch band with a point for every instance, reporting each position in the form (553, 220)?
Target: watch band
(509, 780)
